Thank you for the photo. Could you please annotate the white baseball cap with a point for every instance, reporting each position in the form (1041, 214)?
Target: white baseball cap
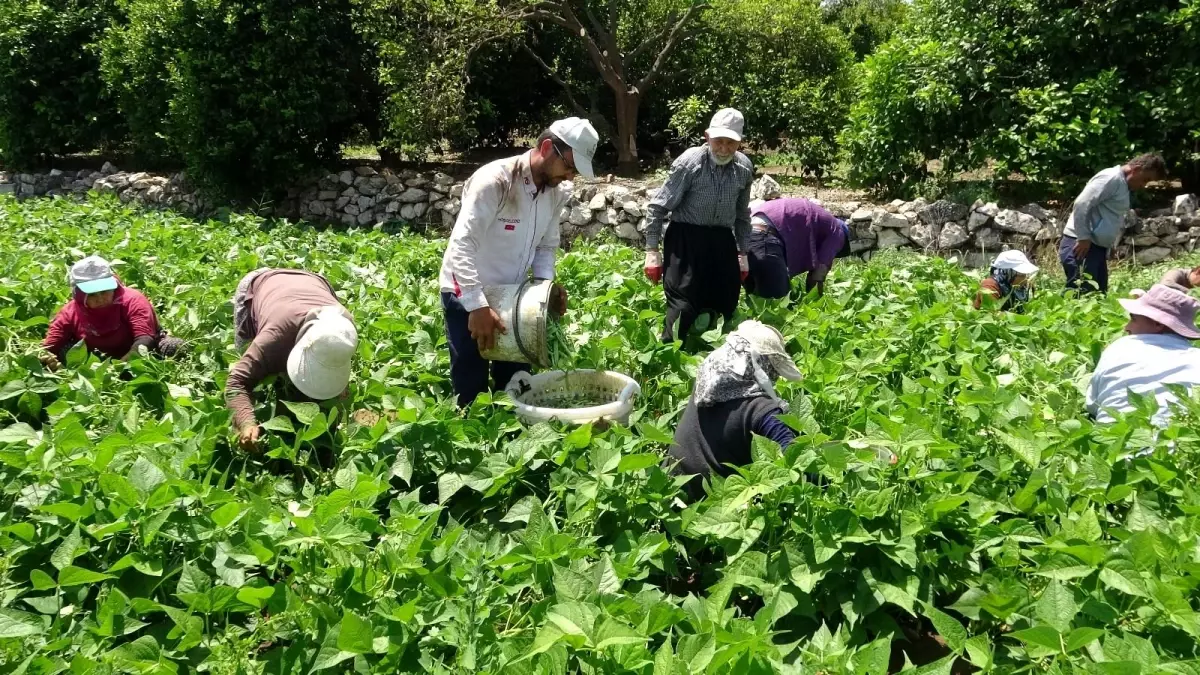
(582, 137)
(319, 363)
(1016, 261)
(727, 123)
(93, 274)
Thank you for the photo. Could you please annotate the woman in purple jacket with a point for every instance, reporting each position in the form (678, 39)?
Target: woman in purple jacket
(788, 237)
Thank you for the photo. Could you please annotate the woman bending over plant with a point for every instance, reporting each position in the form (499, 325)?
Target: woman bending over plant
(1008, 285)
(112, 319)
(734, 397)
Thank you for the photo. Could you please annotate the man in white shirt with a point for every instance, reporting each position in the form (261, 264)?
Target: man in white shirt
(1156, 352)
(508, 225)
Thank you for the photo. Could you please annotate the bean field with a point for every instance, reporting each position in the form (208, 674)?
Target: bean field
(1011, 534)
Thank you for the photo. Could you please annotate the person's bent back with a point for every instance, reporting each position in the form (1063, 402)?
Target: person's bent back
(1157, 352)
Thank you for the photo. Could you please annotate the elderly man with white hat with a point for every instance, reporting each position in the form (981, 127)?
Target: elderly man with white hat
(295, 326)
(1157, 352)
(1007, 286)
(507, 227)
(733, 399)
(706, 197)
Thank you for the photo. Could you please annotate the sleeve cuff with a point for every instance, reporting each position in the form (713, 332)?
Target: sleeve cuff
(472, 299)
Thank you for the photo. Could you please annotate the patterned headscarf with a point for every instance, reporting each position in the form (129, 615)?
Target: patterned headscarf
(746, 366)
(1013, 296)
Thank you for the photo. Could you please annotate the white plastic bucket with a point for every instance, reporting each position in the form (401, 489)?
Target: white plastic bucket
(524, 309)
(536, 396)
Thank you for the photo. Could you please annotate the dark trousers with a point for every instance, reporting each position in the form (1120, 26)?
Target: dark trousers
(700, 275)
(1095, 265)
(769, 276)
(469, 370)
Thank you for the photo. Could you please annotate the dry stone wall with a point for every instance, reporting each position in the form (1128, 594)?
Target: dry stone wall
(366, 197)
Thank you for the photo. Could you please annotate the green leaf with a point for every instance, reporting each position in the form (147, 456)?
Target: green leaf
(227, 514)
(1043, 636)
(664, 659)
(17, 433)
(948, 627)
(355, 635)
(1082, 636)
(1057, 607)
(67, 550)
(638, 462)
(402, 467)
(1026, 450)
(873, 658)
(75, 576)
(41, 581)
(305, 412)
(655, 435)
(279, 423)
(18, 624)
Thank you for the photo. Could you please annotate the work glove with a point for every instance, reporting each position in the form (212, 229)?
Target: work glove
(743, 265)
(653, 266)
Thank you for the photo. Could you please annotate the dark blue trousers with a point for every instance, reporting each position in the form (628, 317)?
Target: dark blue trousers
(469, 370)
(769, 276)
(1095, 265)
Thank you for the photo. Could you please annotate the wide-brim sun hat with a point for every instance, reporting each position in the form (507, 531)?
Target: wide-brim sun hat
(93, 274)
(319, 363)
(1016, 261)
(768, 341)
(1172, 308)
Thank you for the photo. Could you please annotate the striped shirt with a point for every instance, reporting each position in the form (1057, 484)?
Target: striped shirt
(698, 191)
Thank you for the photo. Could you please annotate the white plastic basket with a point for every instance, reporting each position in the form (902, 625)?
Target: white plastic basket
(539, 397)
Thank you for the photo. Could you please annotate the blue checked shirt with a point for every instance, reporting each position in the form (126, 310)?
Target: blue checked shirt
(700, 192)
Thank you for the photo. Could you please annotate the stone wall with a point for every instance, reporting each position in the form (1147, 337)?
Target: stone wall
(364, 197)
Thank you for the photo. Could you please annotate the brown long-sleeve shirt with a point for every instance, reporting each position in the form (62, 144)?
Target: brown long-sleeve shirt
(1178, 278)
(279, 301)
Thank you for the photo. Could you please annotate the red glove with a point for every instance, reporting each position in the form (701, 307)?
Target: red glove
(653, 266)
(743, 265)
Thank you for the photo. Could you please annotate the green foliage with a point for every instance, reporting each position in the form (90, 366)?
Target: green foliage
(137, 51)
(1046, 89)
(135, 538)
(52, 99)
(867, 23)
(261, 92)
(424, 51)
(780, 63)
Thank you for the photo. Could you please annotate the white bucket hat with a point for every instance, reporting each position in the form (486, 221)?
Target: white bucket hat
(727, 123)
(93, 274)
(769, 342)
(319, 364)
(1016, 261)
(582, 137)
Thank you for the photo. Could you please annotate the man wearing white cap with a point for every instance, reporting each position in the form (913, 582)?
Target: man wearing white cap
(1008, 283)
(508, 226)
(294, 325)
(733, 399)
(706, 197)
(1157, 352)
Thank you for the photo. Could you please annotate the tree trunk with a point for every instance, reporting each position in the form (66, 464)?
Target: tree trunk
(626, 140)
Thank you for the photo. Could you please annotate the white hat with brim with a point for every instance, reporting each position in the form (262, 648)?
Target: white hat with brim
(319, 363)
(1170, 307)
(583, 139)
(93, 274)
(769, 342)
(727, 123)
(1015, 261)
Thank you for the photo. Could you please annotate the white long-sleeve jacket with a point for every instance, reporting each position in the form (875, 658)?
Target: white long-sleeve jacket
(506, 226)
